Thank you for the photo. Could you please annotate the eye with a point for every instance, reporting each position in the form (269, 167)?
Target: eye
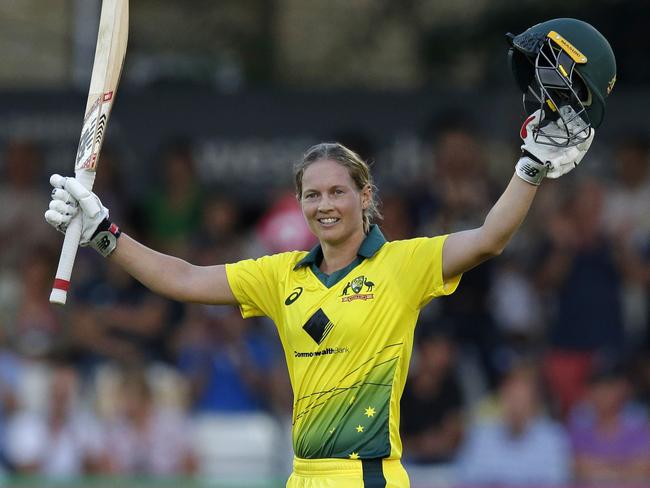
(338, 191)
(309, 196)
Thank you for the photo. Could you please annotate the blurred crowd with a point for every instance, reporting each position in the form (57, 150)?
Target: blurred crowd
(535, 372)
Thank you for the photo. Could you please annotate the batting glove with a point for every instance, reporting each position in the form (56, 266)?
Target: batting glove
(542, 160)
(68, 196)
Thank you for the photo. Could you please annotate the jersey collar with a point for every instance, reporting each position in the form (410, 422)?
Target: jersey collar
(370, 245)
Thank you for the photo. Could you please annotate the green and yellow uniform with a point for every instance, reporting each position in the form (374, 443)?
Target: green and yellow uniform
(347, 340)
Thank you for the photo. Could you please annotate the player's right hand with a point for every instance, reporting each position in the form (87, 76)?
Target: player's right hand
(68, 196)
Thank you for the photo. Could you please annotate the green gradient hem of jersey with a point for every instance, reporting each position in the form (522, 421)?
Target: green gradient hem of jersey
(349, 421)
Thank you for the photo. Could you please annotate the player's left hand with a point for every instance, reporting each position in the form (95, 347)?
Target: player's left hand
(542, 160)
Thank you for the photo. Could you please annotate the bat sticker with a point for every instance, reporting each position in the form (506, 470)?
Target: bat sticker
(93, 133)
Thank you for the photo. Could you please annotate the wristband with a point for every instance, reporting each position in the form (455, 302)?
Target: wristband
(104, 240)
(531, 169)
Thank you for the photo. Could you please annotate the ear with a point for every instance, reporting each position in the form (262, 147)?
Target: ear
(366, 197)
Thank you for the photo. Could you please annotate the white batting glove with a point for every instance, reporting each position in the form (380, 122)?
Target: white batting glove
(541, 160)
(68, 196)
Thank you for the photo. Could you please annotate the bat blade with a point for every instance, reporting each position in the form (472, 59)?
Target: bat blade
(107, 68)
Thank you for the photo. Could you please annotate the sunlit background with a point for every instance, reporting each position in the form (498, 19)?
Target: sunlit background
(536, 372)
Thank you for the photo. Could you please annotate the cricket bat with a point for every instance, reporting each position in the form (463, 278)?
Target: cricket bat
(107, 67)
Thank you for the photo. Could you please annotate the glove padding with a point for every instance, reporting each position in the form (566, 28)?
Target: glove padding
(67, 197)
(542, 160)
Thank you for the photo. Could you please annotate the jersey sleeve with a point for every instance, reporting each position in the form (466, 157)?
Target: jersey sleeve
(423, 264)
(256, 283)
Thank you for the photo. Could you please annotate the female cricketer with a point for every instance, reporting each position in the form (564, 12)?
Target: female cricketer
(345, 311)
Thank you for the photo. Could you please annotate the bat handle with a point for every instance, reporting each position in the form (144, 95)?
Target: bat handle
(66, 261)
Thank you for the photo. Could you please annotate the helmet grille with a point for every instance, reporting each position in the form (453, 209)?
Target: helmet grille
(556, 87)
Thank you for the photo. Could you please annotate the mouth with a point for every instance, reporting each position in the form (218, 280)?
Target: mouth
(328, 221)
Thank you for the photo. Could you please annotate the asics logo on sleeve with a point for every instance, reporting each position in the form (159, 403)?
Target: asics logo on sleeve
(294, 295)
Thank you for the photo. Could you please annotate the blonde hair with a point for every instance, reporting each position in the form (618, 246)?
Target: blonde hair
(357, 168)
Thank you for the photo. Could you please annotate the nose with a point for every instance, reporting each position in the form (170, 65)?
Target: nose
(325, 203)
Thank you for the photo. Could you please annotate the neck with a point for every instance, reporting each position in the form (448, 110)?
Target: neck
(338, 255)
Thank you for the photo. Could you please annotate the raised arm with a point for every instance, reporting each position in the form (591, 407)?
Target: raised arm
(466, 249)
(166, 275)
(173, 277)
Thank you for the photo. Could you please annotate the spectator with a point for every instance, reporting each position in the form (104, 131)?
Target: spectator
(396, 223)
(63, 443)
(283, 228)
(114, 318)
(641, 378)
(516, 306)
(11, 376)
(34, 327)
(627, 219)
(610, 434)
(220, 237)
(112, 183)
(456, 197)
(582, 277)
(520, 445)
(21, 201)
(432, 402)
(172, 211)
(144, 438)
(227, 361)
(626, 205)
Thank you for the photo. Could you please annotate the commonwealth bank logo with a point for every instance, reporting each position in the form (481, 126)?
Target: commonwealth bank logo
(353, 289)
(318, 326)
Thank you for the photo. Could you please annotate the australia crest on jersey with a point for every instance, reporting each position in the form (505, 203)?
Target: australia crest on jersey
(360, 288)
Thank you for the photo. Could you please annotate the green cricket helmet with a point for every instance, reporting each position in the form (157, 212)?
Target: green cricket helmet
(566, 68)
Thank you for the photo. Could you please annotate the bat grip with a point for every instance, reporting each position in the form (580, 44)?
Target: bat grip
(66, 261)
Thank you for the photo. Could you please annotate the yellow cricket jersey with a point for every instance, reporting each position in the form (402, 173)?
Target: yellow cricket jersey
(347, 346)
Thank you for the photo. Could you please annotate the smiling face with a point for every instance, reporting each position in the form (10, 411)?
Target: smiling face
(331, 202)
